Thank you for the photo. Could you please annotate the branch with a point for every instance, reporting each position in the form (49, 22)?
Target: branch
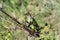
(23, 26)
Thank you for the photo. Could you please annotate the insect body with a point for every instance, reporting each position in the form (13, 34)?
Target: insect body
(32, 24)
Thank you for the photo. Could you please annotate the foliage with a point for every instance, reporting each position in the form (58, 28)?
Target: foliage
(44, 11)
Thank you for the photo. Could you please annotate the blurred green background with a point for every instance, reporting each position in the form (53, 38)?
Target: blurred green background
(43, 10)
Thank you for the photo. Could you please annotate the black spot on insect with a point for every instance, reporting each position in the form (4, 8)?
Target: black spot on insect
(37, 4)
(37, 35)
(46, 24)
